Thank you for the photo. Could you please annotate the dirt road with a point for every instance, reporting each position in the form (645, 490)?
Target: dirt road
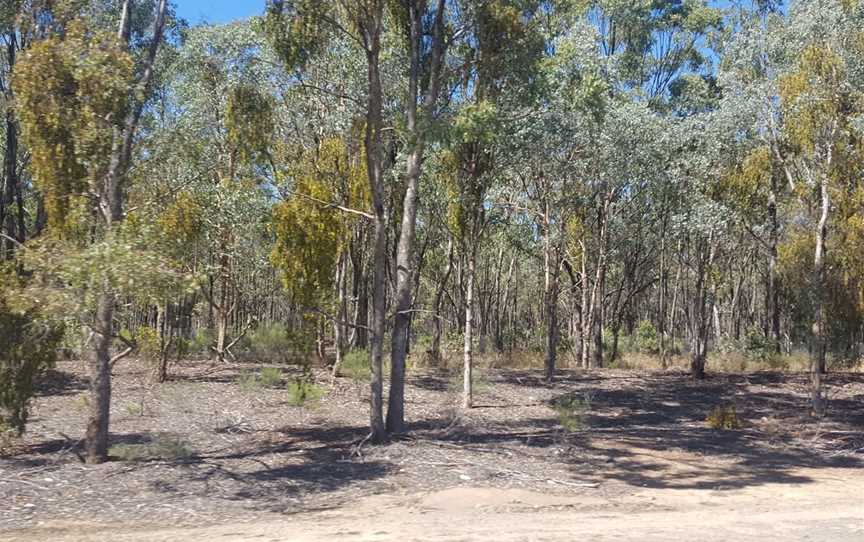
(829, 507)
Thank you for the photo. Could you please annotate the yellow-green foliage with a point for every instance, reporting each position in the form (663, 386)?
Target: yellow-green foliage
(149, 343)
(355, 365)
(303, 391)
(249, 120)
(182, 220)
(296, 32)
(310, 231)
(724, 417)
(72, 91)
(745, 185)
(809, 96)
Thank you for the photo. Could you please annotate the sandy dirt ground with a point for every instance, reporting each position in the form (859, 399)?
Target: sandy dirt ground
(642, 463)
(829, 508)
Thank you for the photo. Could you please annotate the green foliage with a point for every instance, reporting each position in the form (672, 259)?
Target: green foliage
(164, 447)
(757, 347)
(276, 343)
(310, 232)
(149, 343)
(67, 279)
(646, 338)
(295, 30)
(303, 391)
(270, 377)
(71, 93)
(28, 347)
(571, 411)
(355, 365)
(202, 340)
(249, 120)
(724, 417)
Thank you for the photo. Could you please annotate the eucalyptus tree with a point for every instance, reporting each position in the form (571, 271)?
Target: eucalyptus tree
(426, 47)
(502, 50)
(653, 43)
(219, 127)
(821, 99)
(82, 145)
(296, 29)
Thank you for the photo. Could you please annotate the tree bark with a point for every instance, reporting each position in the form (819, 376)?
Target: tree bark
(818, 350)
(418, 123)
(96, 440)
(12, 189)
(772, 293)
(110, 203)
(468, 351)
(552, 271)
(437, 323)
(370, 23)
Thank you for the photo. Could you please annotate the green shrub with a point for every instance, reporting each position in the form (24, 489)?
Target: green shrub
(201, 342)
(149, 343)
(759, 348)
(646, 338)
(303, 390)
(28, 347)
(275, 343)
(270, 377)
(160, 447)
(355, 365)
(571, 411)
(184, 347)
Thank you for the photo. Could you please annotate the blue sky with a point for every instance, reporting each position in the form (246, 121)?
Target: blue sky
(218, 11)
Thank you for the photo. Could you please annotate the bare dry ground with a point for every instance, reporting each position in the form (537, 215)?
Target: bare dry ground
(643, 465)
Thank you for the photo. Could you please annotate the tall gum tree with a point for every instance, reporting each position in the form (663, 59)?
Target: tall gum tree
(99, 122)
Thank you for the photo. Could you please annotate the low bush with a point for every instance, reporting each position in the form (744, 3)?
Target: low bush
(355, 365)
(201, 342)
(28, 348)
(646, 340)
(303, 391)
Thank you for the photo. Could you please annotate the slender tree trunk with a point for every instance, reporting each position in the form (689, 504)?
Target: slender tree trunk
(468, 357)
(587, 310)
(550, 297)
(221, 332)
(371, 24)
(503, 308)
(164, 331)
(12, 189)
(773, 291)
(702, 325)
(339, 328)
(417, 125)
(818, 351)
(437, 323)
(661, 312)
